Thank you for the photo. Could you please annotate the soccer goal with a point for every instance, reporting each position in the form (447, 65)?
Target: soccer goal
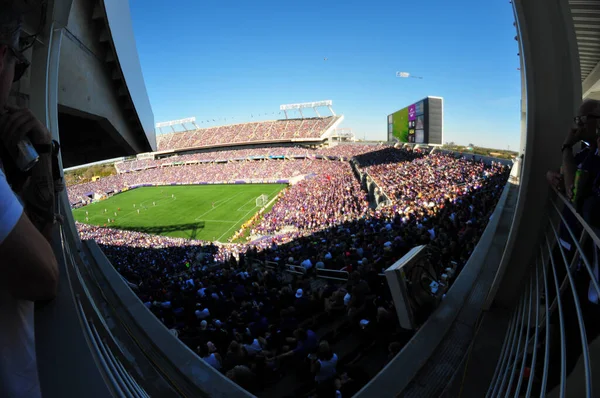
(262, 200)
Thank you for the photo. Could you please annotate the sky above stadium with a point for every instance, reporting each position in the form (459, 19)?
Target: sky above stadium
(237, 61)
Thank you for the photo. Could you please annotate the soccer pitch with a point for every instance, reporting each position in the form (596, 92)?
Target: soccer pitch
(206, 212)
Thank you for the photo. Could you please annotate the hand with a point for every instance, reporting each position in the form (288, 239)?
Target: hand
(17, 123)
(573, 137)
(555, 179)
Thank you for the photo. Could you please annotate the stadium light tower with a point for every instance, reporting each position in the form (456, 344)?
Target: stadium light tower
(180, 122)
(406, 75)
(305, 105)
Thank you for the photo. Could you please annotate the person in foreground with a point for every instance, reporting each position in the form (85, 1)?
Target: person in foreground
(28, 267)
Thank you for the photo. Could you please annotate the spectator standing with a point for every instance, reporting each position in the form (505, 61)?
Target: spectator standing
(28, 270)
(324, 363)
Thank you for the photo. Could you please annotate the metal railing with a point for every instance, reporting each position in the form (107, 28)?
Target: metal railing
(105, 347)
(547, 347)
(332, 274)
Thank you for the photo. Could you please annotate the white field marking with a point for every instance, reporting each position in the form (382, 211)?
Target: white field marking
(233, 226)
(142, 207)
(241, 208)
(220, 202)
(241, 220)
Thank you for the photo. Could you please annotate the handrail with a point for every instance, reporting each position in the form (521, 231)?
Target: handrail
(295, 269)
(105, 347)
(334, 274)
(552, 279)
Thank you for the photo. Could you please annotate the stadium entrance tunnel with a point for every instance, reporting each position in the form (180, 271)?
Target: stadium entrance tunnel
(87, 138)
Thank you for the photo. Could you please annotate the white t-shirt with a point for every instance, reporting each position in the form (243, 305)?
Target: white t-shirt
(18, 366)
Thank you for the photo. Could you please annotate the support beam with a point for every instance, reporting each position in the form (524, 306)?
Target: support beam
(122, 91)
(550, 55)
(592, 82)
(104, 36)
(98, 12)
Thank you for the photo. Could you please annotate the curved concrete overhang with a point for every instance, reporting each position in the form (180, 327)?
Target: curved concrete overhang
(120, 29)
(104, 110)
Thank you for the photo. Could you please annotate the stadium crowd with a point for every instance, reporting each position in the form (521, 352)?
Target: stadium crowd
(285, 129)
(330, 198)
(335, 152)
(254, 325)
(226, 172)
(449, 213)
(258, 325)
(214, 167)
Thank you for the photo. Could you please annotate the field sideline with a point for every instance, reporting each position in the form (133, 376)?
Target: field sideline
(180, 211)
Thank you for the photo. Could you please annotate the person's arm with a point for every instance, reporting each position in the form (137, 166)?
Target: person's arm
(569, 169)
(28, 267)
(38, 195)
(262, 341)
(569, 166)
(286, 354)
(38, 192)
(315, 366)
(218, 357)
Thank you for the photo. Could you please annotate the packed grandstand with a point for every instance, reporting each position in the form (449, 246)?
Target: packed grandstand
(258, 310)
(265, 131)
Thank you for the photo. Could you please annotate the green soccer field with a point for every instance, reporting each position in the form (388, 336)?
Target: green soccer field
(206, 212)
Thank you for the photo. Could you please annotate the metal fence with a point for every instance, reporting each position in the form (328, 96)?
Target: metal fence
(548, 348)
(331, 274)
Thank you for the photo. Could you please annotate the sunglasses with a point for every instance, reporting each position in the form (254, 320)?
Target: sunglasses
(582, 120)
(21, 65)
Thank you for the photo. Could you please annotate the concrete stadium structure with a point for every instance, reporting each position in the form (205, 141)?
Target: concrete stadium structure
(96, 339)
(103, 107)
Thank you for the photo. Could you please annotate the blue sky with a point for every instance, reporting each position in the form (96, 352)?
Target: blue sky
(228, 60)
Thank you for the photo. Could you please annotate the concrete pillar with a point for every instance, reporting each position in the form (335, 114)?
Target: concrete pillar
(553, 84)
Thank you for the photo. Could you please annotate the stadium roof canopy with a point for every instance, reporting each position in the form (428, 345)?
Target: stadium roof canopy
(586, 19)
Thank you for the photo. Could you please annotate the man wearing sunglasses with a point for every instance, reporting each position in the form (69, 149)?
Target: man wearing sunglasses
(586, 125)
(28, 268)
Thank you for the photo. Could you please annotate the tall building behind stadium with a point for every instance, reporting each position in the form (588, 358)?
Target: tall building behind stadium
(285, 257)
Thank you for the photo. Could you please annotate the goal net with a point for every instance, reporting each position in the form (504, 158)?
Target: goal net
(261, 200)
